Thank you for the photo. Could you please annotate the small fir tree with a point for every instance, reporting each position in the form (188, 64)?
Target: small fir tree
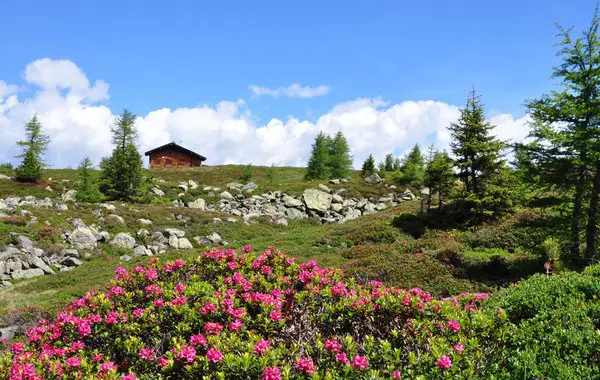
(368, 166)
(34, 146)
(413, 167)
(121, 176)
(389, 162)
(87, 184)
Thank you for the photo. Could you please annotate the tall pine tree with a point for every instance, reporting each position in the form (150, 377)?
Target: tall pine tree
(413, 167)
(340, 160)
(318, 164)
(567, 131)
(439, 176)
(34, 146)
(121, 176)
(389, 162)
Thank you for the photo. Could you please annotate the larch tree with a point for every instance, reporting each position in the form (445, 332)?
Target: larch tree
(121, 176)
(318, 164)
(340, 160)
(566, 129)
(34, 146)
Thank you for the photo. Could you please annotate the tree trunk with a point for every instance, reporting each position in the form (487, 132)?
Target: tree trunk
(429, 200)
(592, 223)
(577, 214)
(440, 199)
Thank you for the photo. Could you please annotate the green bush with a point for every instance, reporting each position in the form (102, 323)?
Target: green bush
(554, 334)
(247, 173)
(592, 270)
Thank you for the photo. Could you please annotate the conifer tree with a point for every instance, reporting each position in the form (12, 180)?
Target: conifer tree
(121, 176)
(439, 177)
(340, 160)
(477, 152)
(318, 164)
(566, 127)
(368, 166)
(87, 185)
(397, 164)
(34, 146)
(413, 167)
(389, 162)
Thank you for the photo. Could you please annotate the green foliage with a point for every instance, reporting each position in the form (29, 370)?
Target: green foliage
(87, 183)
(340, 161)
(247, 173)
(330, 158)
(566, 150)
(368, 166)
(6, 166)
(121, 176)
(554, 333)
(412, 170)
(389, 162)
(592, 270)
(439, 177)
(318, 164)
(34, 146)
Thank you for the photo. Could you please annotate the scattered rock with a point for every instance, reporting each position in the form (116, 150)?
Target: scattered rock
(373, 179)
(317, 200)
(107, 206)
(184, 243)
(324, 188)
(174, 232)
(71, 262)
(82, 238)
(199, 204)
(20, 274)
(69, 196)
(249, 187)
(157, 191)
(144, 222)
(123, 240)
(39, 263)
(115, 219)
(141, 250)
(225, 195)
(334, 181)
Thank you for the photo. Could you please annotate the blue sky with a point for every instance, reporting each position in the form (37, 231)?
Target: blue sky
(156, 54)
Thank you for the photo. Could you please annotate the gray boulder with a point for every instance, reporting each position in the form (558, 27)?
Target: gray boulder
(373, 179)
(69, 196)
(20, 274)
(293, 214)
(145, 222)
(199, 204)
(174, 232)
(324, 188)
(249, 187)
(24, 241)
(123, 240)
(141, 250)
(226, 195)
(71, 262)
(184, 243)
(115, 219)
(39, 263)
(82, 238)
(316, 200)
(291, 201)
(157, 191)
(334, 181)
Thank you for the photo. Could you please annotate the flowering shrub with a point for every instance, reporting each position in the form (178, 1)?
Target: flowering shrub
(228, 315)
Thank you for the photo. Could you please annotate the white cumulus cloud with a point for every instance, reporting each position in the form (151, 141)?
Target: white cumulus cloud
(294, 90)
(228, 132)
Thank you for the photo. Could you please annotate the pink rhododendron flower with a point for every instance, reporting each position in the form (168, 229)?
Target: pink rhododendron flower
(213, 328)
(128, 377)
(305, 365)
(459, 347)
(396, 375)
(146, 353)
(179, 288)
(214, 355)
(444, 362)
(187, 354)
(333, 345)
(271, 373)
(454, 326)
(158, 302)
(236, 325)
(198, 339)
(120, 271)
(151, 274)
(177, 264)
(139, 269)
(17, 348)
(208, 308)
(360, 362)
(232, 265)
(162, 362)
(261, 346)
(108, 366)
(179, 301)
(247, 248)
(342, 358)
(138, 312)
(73, 361)
(275, 316)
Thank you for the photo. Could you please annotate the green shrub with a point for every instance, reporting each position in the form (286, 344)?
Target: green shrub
(592, 270)
(554, 334)
(247, 173)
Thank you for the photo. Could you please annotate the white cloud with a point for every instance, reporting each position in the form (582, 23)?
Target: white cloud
(294, 90)
(225, 133)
